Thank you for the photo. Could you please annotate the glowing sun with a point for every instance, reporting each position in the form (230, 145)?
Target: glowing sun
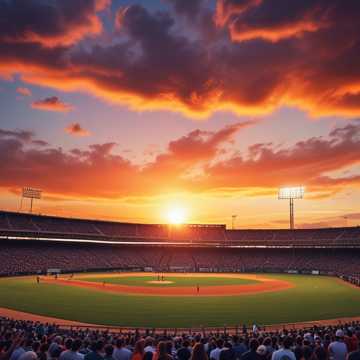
(176, 215)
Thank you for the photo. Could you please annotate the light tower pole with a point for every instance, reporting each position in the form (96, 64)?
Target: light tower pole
(291, 213)
(233, 219)
(291, 193)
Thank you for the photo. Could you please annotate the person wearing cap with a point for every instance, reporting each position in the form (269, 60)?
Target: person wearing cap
(337, 349)
(262, 352)
(149, 344)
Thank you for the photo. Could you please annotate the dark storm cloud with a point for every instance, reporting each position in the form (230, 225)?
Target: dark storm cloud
(50, 23)
(249, 56)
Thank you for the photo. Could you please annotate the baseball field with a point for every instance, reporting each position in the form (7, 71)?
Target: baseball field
(181, 300)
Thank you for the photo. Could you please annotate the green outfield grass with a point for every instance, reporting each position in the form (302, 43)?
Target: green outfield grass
(312, 298)
(176, 281)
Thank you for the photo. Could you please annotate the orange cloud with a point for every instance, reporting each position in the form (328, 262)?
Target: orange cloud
(52, 103)
(75, 129)
(240, 32)
(23, 91)
(191, 163)
(227, 9)
(267, 20)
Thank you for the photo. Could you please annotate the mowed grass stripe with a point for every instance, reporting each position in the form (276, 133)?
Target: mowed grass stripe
(312, 298)
(176, 281)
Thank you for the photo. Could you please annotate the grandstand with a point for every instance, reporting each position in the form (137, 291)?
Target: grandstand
(79, 245)
(28, 226)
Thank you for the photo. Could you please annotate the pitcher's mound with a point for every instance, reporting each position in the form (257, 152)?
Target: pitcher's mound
(159, 282)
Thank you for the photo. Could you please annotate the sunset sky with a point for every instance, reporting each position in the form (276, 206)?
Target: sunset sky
(128, 110)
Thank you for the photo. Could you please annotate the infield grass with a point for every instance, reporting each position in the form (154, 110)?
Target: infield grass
(312, 298)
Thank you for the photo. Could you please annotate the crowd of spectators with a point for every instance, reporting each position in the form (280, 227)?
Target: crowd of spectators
(25, 257)
(26, 340)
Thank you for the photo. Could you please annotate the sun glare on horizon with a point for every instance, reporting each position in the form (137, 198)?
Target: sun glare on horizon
(176, 215)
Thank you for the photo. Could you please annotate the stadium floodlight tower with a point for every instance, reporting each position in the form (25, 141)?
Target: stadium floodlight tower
(31, 193)
(291, 193)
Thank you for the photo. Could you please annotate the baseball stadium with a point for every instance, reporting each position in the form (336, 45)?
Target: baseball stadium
(127, 275)
(153, 154)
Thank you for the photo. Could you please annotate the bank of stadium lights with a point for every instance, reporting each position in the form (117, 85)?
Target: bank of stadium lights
(30, 193)
(291, 193)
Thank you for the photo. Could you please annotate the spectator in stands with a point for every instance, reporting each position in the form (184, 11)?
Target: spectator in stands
(338, 349)
(73, 351)
(262, 352)
(284, 352)
(55, 354)
(139, 350)
(170, 349)
(298, 349)
(8, 346)
(148, 355)
(109, 349)
(149, 345)
(215, 354)
(31, 354)
(198, 352)
(96, 353)
(162, 352)
(184, 352)
(19, 350)
(42, 355)
(238, 346)
(320, 352)
(227, 353)
(121, 352)
(55, 348)
(85, 348)
(307, 351)
(269, 348)
(251, 354)
(351, 341)
(355, 355)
